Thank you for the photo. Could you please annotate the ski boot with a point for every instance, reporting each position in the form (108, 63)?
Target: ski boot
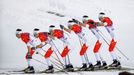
(25, 69)
(104, 65)
(84, 67)
(66, 67)
(71, 68)
(29, 70)
(115, 65)
(97, 65)
(50, 69)
(90, 67)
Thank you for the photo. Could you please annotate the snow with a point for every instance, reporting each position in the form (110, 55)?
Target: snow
(29, 14)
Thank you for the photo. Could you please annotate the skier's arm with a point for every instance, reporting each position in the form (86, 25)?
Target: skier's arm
(84, 25)
(29, 49)
(29, 52)
(66, 29)
(41, 45)
(101, 24)
(50, 35)
(78, 22)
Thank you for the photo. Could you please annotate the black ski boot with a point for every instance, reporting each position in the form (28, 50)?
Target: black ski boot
(30, 70)
(115, 65)
(97, 65)
(66, 67)
(50, 69)
(104, 65)
(84, 67)
(71, 68)
(90, 67)
(26, 69)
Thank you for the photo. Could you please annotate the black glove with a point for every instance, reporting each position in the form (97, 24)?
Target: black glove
(33, 48)
(29, 56)
(76, 21)
(61, 26)
(49, 33)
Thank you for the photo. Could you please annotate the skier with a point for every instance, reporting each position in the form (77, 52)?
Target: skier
(91, 24)
(72, 26)
(43, 37)
(28, 40)
(108, 24)
(59, 34)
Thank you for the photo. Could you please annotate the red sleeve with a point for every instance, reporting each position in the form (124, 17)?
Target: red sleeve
(58, 33)
(108, 21)
(25, 37)
(43, 36)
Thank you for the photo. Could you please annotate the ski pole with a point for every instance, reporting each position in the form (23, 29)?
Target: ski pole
(52, 56)
(56, 54)
(85, 56)
(68, 59)
(106, 39)
(65, 32)
(115, 46)
(40, 61)
(50, 60)
(54, 67)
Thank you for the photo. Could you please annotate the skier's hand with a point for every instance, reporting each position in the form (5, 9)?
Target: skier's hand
(61, 26)
(99, 24)
(38, 46)
(49, 33)
(76, 21)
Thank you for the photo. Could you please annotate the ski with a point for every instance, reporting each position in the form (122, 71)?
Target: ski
(76, 70)
(17, 71)
(40, 72)
(106, 69)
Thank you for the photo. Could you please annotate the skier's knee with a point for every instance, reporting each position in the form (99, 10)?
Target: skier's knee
(112, 45)
(83, 49)
(48, 53)
(65, 52)
(97, 46)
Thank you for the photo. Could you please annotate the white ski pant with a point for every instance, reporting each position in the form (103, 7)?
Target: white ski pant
(95, 32)
(66, 44)
(83, 40)
(110, 30)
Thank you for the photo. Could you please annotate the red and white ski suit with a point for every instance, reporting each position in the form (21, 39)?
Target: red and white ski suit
(29, 40)
(91, 25)
(43, 36)
(77, 29)
(94, 30)
(109, 27)
(59, 34)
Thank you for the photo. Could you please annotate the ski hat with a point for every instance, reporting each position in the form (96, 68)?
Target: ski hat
(36, 31)
(101, 15)
(70, 22)
(51, 27)
(18, 31)
(85, 17)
